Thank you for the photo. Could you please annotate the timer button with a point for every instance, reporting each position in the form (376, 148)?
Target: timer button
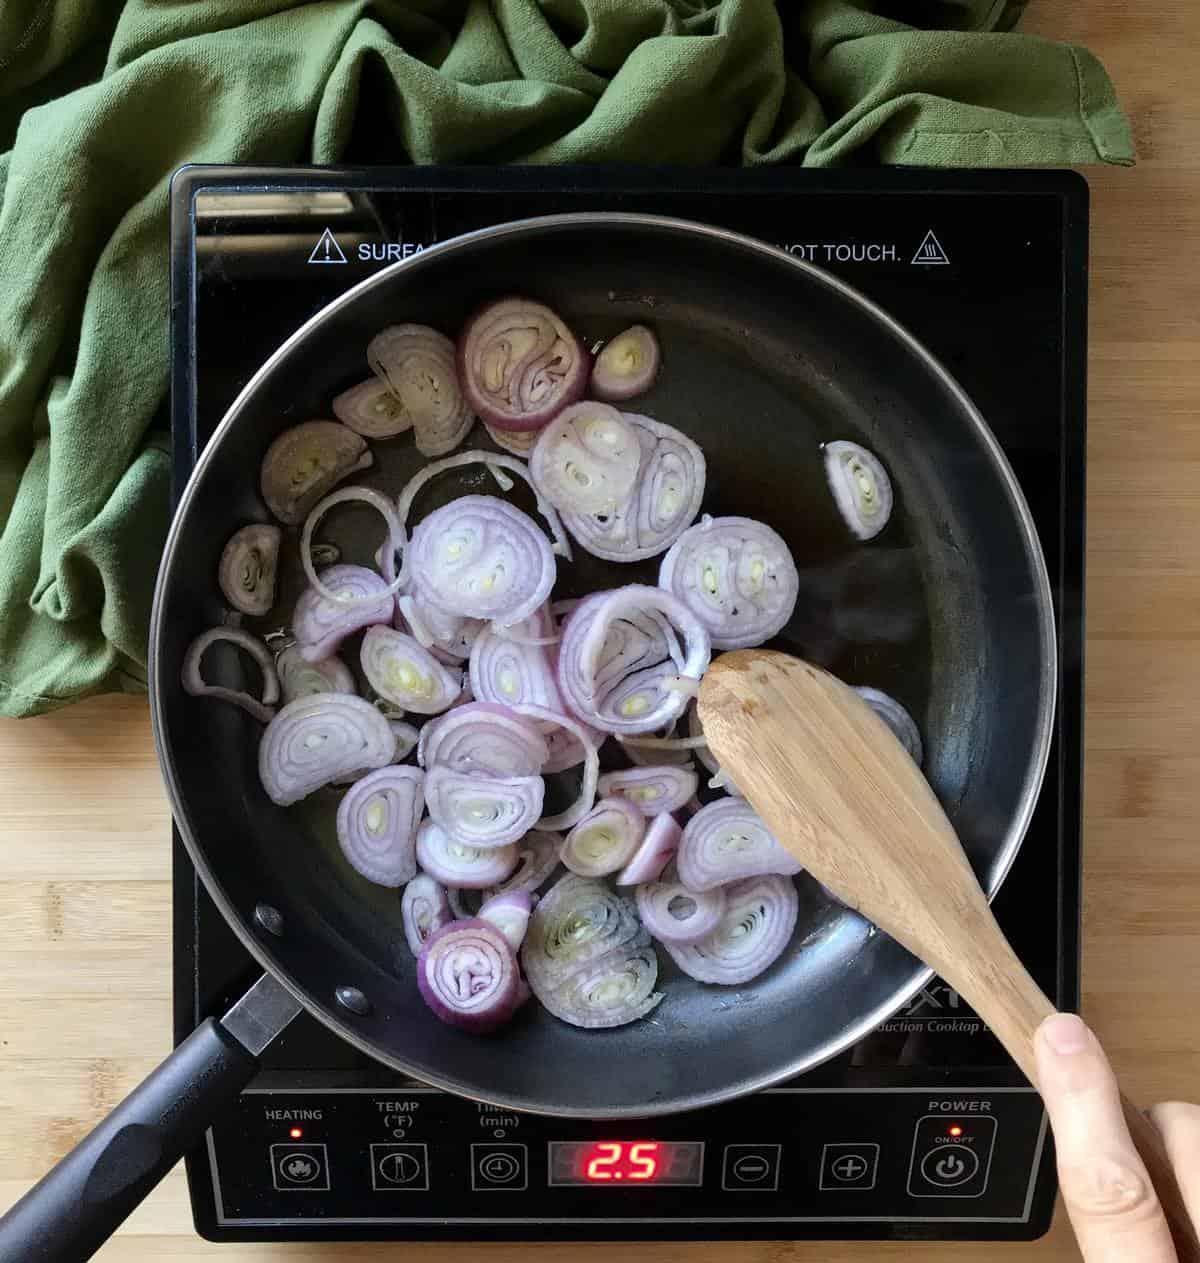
(499, 1167)
(751, 1168)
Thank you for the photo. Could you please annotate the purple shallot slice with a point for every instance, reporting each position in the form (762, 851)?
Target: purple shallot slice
(468, 976)
(377, 824)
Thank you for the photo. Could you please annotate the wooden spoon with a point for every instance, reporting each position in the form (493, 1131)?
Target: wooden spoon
(841, 793)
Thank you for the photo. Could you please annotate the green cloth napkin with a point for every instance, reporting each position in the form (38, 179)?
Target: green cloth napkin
(100, 102)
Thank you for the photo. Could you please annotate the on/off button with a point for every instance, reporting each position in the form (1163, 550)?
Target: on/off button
(951, 1156)
(947, 1168)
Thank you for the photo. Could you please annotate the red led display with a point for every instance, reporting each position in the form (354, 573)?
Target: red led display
(625, 1163)
(621, 1160)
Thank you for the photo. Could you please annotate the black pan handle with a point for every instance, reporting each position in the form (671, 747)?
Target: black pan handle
(69, 1214)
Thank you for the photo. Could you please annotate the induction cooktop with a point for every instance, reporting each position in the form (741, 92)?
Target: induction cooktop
(923, 1130)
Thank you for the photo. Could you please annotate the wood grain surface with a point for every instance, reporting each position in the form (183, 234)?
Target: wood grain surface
(84, 843)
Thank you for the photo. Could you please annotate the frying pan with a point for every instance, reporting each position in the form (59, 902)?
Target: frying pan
(765, 357)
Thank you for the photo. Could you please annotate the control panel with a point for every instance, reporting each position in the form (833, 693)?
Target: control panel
(418, 1163)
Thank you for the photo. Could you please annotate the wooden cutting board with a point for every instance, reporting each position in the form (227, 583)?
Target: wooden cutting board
(84, 840)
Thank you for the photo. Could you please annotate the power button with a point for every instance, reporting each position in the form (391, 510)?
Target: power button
(951, 1155)
(948, 1168)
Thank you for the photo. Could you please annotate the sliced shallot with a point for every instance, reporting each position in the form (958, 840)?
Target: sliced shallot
(247, 569)
(674, 914)
(481, 558)
(518, 442)
(591, 766)
(494, 463)
(406, 738)
(483, 738)
(660, 757)
(567, 750)
(627, 365)
(618, 678)
(300, 678)
(652, 789)
(320, 624)
(444, 635)
(483, 811)
(467, 975)
(424, 908)
(316, 739)
(726, 841)
(720, 778)
(586, 460)
(861, 487)
(377, 824)
(656, 851)
(605, 839)
(660, 508)
(736, 575)
(513, 669)
(406, 674)
(537, 855)
(759, 917)
(460, 866)
(370, 409)
(519, 364)
(262, 708)
(509, 913)
(612, 991)
(395, 543)
(417, 365)
(902, 724)
(576, 922)
(304, 462)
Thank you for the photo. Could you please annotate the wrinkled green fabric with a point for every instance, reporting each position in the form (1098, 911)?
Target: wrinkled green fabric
(100, 102)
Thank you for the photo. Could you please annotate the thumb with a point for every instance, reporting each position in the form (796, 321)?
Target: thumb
(1108, 1194)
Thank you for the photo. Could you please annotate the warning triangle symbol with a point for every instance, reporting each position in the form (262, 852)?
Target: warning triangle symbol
(930, 250)
(327, 249)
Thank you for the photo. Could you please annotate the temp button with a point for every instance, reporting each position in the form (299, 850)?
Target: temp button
(400, 1167)
(951, 1156)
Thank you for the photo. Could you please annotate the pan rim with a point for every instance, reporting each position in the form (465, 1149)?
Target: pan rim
(1048, 664)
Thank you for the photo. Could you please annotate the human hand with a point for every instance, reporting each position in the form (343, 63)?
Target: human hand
(1112, 1204)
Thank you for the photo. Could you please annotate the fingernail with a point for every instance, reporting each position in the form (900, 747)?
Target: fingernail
(1065, 1033)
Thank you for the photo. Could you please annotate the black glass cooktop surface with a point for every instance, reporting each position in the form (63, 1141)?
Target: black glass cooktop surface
(925, 1129)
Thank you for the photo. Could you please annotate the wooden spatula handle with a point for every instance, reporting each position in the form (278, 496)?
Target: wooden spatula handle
(994, 982)
(843, 796)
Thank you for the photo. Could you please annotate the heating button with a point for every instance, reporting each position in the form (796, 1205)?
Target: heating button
(297, 1168)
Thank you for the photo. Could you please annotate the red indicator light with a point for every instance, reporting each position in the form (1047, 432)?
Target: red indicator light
(621, 1160)
(296, 1133)
(956, 1130)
